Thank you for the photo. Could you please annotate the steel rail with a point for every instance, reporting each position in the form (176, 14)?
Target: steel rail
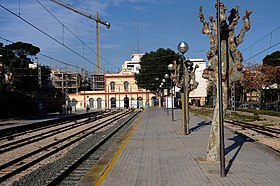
(260, 129)
(70, 168)
(83, 134)
(31, 139)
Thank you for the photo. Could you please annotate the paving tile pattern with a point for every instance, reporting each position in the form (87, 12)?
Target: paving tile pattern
(159, 154)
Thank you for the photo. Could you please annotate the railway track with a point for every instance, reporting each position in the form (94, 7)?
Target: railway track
(15, 141)
(267, 131)
(20, 127)
(80, 130)
(76, 170)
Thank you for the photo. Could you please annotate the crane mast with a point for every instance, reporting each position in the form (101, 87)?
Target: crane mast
(96, 19)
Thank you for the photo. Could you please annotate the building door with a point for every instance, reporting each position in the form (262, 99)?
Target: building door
(139, 102)
(154, 101)
(113, 103)
(126, 102)
(99, 103)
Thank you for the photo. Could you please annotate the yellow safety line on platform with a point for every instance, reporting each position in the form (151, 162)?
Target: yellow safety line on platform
(103, 176)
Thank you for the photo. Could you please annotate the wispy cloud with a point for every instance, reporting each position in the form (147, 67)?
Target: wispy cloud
(141, 8)
(15, 29)
(118, 2)
(111, 46)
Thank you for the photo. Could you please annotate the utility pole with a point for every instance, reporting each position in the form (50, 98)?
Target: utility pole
(3, 72)
(40, 105)
(96, 19)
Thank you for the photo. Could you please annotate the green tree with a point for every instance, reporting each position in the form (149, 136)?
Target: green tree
(23, 78)
(272, 59)
(15, 59)
(153, 67)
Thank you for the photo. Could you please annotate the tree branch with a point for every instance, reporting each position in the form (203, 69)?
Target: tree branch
(245, 28)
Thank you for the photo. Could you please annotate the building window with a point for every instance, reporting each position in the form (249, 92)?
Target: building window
(130, 67)
(112, 85)
(140, 88)
(125, 85)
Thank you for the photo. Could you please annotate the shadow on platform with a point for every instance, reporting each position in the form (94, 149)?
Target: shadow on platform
(239, 140)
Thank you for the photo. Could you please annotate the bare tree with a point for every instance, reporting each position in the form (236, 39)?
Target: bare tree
(231, 59)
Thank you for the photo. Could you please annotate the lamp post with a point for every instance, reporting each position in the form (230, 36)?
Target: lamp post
(163, 85)
(170, 68)
(183, 48)
(220, 92)
(160, 90)
(40, 104)
(166, 76)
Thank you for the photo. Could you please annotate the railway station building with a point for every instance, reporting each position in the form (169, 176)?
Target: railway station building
(112, 90)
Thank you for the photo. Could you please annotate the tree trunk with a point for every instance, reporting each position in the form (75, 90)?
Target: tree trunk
(213, 150)
(183, 110)
(213, 141)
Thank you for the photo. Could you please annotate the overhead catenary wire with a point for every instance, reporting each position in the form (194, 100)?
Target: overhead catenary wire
(56, 40)
(62, 43)
(259, 40)
(49, 57)
(24, 75)
(48, 35)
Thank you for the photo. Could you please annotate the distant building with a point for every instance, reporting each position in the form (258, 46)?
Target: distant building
(112, 94)
(133, 65)
(6, 73)
(67, 82)
(198, 96)
(112, 89)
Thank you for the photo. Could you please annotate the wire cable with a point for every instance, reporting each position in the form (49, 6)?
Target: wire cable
(62, 62)
(84, 44)
(259, 40)
(48, 35)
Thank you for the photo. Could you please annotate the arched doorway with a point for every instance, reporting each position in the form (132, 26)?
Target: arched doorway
(99, 103)
(126, 102)
(113, 103)
(154, 101)
(139, 102)
(91, 103)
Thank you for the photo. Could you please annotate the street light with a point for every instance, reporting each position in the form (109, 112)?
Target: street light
(170, 68)
(183, 48)
(220, 94)
(162, 83)
(166, 76)
(160, 97)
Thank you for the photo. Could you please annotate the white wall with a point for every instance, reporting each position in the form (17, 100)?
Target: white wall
(201, 90)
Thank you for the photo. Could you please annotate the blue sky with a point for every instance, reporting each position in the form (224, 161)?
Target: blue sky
(145, 25)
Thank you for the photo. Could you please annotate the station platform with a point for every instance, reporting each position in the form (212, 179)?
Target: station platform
(157, 153)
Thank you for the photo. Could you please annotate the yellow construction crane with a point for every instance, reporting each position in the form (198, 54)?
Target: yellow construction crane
(96, 19)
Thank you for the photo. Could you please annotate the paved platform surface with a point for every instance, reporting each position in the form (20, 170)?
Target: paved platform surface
(159, 154)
